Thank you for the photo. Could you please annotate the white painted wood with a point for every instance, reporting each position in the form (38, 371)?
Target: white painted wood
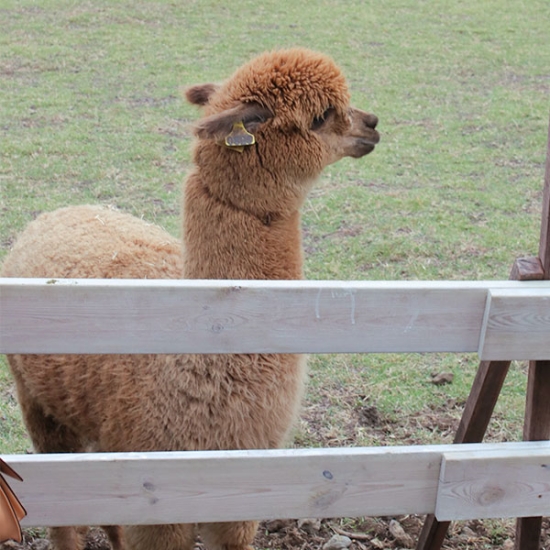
(491, 483)
(142, 488)
(136, 316)
(515, 320)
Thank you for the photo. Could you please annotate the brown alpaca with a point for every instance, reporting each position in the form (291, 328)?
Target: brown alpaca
(241, 220)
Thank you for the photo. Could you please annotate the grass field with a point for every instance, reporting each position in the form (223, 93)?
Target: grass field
(91, 112)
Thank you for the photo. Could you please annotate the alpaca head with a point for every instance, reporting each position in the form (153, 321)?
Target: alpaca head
(271, 128)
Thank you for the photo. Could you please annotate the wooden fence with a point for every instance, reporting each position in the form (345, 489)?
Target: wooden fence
(500, 320)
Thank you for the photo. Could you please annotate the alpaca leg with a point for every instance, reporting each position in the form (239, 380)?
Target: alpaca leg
(67, 538)
(160, 537)
(229, 536)
(116, 536)
(49, 436)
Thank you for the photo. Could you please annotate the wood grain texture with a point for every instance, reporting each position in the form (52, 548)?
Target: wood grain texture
(133, 316)
(487, 484)
(141, 488)
(528, 531)
(481, 401)
(516, 325)
(527, 269)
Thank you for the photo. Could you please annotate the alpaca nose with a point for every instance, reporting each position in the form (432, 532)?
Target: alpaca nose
(371, 120)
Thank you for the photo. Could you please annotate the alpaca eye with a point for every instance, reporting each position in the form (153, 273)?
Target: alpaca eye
(318, 121)
(259, 119)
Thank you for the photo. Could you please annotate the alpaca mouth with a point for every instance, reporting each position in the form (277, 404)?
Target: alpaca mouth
(369, 142)
(369, 137)
(373, 139)
(365, 141)
(364, 146)
(368, 148)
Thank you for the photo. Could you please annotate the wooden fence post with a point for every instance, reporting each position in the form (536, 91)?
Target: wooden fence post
(537, 407)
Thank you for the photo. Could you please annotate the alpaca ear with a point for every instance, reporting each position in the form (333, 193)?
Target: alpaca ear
(200, 94)
(242, 120)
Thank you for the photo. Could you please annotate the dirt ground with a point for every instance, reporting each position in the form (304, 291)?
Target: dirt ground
(358, 534)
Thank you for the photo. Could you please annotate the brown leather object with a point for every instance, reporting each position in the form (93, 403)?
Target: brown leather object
(11, 510)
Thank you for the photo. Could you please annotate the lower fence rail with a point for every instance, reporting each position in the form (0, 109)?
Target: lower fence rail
(452, 481)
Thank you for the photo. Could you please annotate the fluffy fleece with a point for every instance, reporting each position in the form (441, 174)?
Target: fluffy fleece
(240, 220)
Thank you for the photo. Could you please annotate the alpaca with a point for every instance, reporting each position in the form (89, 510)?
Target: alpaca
(266, 135)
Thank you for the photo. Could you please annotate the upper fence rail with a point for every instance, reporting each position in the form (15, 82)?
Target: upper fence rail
(500, 320)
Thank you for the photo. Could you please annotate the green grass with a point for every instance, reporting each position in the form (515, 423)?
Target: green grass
(90, 112)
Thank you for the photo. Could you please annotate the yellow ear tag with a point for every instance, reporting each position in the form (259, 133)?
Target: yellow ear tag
(239, 137)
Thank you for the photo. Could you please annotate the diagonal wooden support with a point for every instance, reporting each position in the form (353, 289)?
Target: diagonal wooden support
(473, 425)
(488, 384)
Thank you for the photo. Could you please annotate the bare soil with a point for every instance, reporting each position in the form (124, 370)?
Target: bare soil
(364, 534)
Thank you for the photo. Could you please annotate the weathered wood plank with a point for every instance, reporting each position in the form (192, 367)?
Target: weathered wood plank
(516, 325)
(141, 488)
(136, 316)
(527, 269)
(488, 484)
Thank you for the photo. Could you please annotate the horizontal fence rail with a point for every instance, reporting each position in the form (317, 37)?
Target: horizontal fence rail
(498, 319)
(478, 481)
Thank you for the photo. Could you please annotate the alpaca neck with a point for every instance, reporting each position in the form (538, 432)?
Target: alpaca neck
(224, 242)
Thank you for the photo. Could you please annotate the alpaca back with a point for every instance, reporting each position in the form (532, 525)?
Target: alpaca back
(93, 242)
